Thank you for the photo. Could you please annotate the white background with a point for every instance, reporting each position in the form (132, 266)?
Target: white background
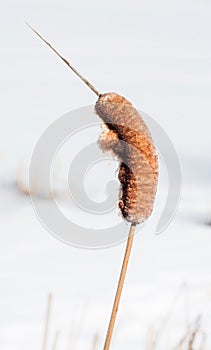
(157, 54)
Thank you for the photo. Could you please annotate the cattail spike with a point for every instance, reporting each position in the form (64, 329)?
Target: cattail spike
(65, 61)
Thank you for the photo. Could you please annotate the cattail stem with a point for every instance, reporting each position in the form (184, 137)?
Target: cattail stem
(87, 82)
(120, 287)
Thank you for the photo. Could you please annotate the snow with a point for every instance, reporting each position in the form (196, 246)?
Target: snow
(158, 55)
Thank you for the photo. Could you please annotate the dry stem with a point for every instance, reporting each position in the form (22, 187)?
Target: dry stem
(120, 287)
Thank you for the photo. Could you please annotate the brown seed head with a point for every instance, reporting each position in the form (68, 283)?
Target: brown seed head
(127, 136)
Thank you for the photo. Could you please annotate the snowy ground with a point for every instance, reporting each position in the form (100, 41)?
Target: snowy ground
(83, 282)
(158, 55)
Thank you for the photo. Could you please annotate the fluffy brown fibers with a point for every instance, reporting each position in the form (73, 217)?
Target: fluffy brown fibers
(127, 136)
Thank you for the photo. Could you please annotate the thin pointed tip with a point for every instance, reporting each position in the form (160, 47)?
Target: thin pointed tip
(64, 59)
(28, 24)
(34, 30)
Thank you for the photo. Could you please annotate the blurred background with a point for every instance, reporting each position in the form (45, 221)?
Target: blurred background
(158, 55)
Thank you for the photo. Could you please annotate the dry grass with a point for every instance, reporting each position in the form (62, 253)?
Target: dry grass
(194, 338)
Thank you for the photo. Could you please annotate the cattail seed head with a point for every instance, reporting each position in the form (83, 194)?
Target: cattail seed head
(127, 136)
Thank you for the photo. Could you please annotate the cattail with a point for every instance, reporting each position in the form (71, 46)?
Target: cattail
(127, 136)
